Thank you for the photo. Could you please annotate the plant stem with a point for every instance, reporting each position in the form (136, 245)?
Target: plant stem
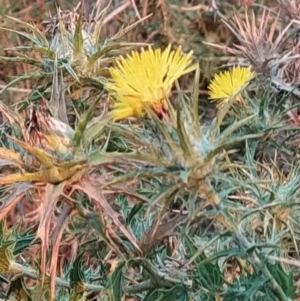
(29, 272)
(160, 279)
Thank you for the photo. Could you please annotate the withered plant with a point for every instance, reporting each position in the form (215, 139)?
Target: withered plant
(164, 204)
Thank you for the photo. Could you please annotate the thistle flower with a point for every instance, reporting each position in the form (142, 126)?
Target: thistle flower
(146, 78)
(227, 83)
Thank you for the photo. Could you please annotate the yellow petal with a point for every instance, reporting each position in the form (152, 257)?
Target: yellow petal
(146, 77)
(227, 83)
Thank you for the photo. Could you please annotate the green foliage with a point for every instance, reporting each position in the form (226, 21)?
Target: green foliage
(185, 208)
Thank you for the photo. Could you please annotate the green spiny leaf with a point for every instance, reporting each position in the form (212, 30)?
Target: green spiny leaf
(41, 36)
(78, 44)
(22, 59)
(77, 140)
(76, 273)
(34, 40)
(116, 282)
(183, 137)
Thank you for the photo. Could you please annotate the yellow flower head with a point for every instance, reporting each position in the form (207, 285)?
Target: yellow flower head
(227, 83)
(146, 78)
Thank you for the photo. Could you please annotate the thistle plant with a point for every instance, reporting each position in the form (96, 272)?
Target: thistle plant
(70, 47)
(148, 199)
(264, 46)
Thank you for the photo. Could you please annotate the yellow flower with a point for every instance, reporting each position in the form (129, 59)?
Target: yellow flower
(146, 78)
(227, 83)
